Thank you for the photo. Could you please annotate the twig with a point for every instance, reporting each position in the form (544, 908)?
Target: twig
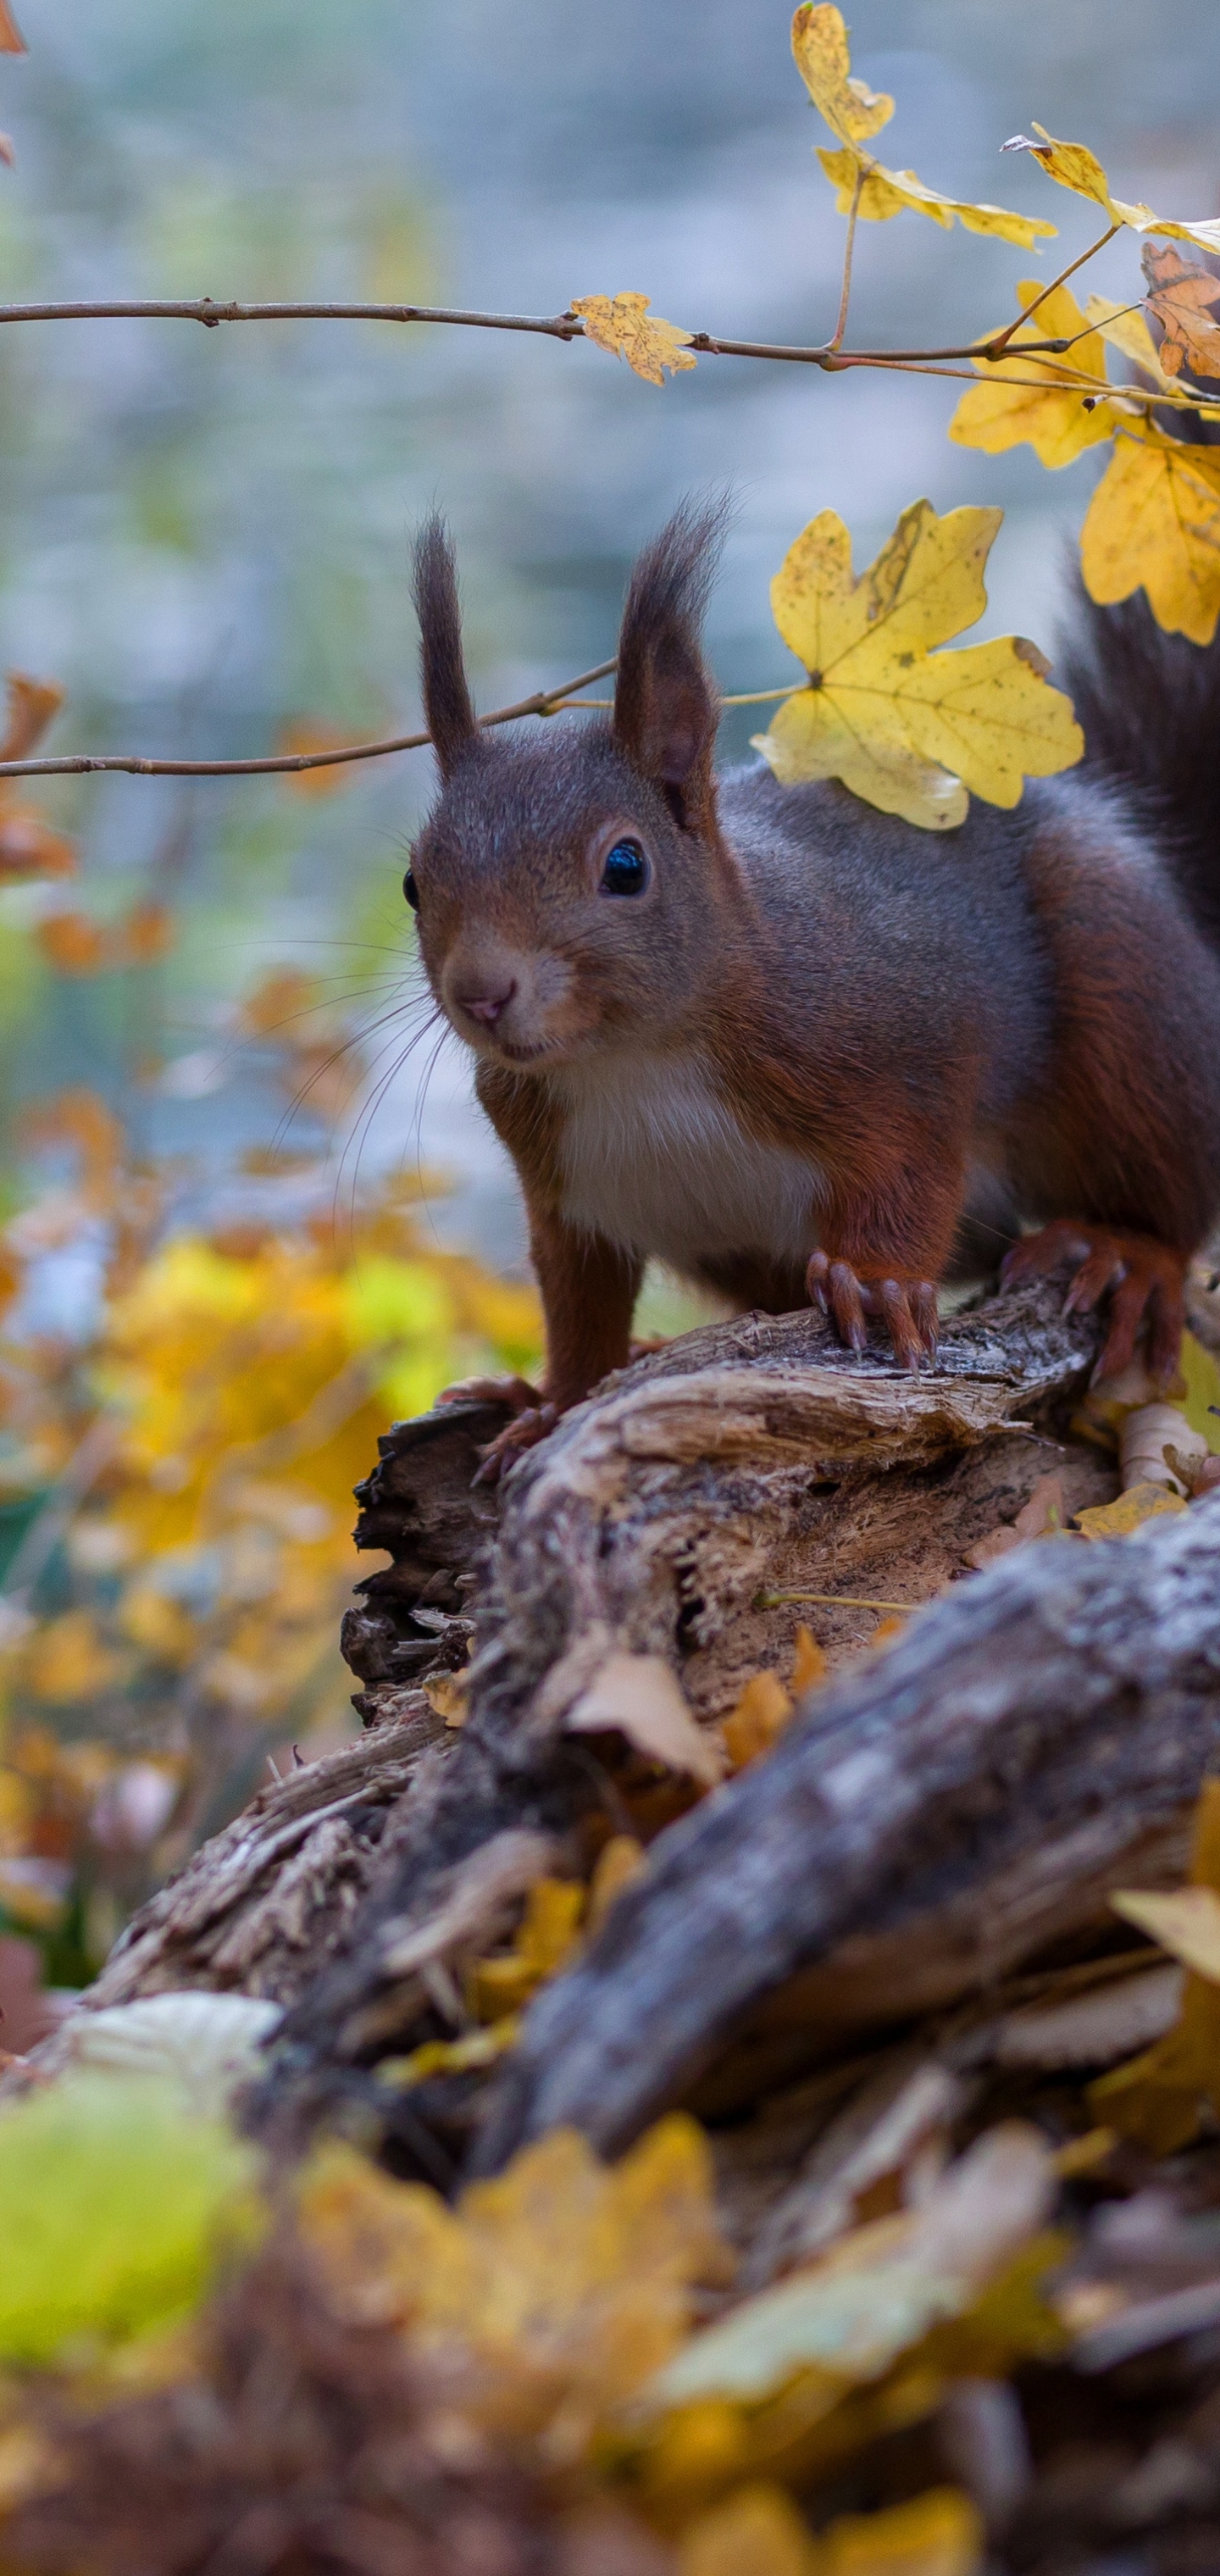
(831, 1601)
(559, 326)
(544, 702)
(994, 347)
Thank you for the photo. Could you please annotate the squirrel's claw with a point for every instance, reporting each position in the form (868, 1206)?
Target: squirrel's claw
(525, 1433)
(1144, 1280)
(907, 1308)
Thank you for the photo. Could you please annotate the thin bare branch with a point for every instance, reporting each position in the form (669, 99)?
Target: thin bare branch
(994, 347)
(544, 702)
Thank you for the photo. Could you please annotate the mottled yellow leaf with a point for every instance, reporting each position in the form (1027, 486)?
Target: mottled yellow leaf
(909, 732)
(1186, 1922)
(894, 192)
(1120, 1519)
(1040, 402)
(623, 325)
(757, 2530)
(940, 2533)
(1075, 167)
(1155, 520)
(851, 109)
(1182, 296)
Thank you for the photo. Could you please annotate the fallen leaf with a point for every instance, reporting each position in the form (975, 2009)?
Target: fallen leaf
(894, 192)
(907, 729)
(1144, 1434)
(1040, 402)
(546, 1937)
(1158, 2098)
(939, 2533)
(623, 325)
(570, 2281)
(618, 1863)
(1075, 167)
(1181, 296)
(881, 2288)
(757, 1721)
(638, 1695)
(1093, 2029)
(1121, 1519)
(1043, 1516)
(809, 1665)
(850, 108)
(757, 2531)
(1187, 1922)
(446, 1696)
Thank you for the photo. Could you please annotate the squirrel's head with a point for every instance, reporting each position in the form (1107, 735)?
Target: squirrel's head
(570, 881)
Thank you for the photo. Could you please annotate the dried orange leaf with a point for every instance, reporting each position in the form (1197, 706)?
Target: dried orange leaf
(757, 1721)
(1075, 167)
(1040, 402)
(1182, 296)
(623, 325)
(11, 42)
(304, 735)
(638, 1695)
(618, 1863)
(894, 192)
(72, 944)
(30, 848)
(31, 705)
(809, 1665)
(851, 109)
(908, 730)
(1140, 1503)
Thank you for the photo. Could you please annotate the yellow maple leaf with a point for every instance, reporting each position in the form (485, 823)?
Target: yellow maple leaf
(1155, 520)
(1182, 296)
(1157, 2098)
(1075, 167)
(757, 2528)
(1055, 405)
(623, 325)
(894, 192)
(545, 1940)
(909, 731)
(851, 109)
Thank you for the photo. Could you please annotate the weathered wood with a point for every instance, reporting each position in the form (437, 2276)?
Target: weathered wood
(1028, 1745)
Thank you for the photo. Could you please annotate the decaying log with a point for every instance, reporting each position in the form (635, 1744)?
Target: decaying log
(750, 1458)
(1027, 1746)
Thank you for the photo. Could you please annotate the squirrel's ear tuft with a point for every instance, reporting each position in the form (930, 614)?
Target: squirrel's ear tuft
(666, 708)
(447, 706)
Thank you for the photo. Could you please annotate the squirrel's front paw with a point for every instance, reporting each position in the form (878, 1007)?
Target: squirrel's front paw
(525, 1433)
(516, 1391)
(907, 1308)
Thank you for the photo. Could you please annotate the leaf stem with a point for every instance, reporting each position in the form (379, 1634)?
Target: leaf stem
(835, 341)
(831, 1601)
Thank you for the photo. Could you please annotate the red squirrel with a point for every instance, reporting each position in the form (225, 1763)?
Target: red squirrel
(797, 1048)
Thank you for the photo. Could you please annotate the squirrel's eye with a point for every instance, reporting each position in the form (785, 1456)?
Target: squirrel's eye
(411, 890)
(626, 869)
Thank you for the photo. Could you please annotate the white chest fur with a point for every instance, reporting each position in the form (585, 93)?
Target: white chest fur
(654, 1158)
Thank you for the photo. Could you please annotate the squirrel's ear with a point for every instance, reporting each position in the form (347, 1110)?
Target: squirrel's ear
(447, 706)
(666, 708)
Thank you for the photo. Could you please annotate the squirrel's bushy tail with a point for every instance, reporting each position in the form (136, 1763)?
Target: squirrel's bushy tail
(1149, 704)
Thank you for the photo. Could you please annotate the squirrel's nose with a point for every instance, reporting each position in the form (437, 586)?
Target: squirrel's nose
(487, 1007)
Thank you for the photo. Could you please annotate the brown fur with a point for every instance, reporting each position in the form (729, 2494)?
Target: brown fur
(819, 1036)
